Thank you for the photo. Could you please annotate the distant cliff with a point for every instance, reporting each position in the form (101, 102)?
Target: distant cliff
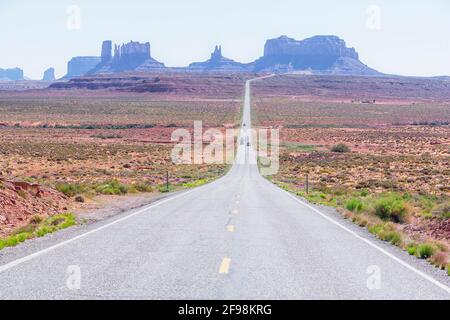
(79, 66)
(11, 74)
(319, 55)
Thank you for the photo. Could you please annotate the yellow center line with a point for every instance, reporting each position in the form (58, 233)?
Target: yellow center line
(225, 266)
(230, 228)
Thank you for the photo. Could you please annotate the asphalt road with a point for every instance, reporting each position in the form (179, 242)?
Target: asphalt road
(239, 237)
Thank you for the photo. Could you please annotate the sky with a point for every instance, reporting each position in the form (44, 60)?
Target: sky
(406, 37)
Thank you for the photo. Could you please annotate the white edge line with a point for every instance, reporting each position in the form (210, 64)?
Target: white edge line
(63, 243)
(390, 255)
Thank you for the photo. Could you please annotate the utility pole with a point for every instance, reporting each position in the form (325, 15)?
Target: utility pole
(167, 180)
(307, 184)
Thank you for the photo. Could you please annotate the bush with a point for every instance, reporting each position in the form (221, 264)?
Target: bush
(340, 147)
(443, 210)
(425, 250)
(439, 259)
(39, 228)
(142, 187)
(393, 237)
(354, 205)
(364, 193)
(21, 237)
(412, 249)
(112, 187)
(71, 190)
(387, 232)
(391, 208)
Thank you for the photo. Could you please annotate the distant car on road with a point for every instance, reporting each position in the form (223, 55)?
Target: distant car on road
(248, 144)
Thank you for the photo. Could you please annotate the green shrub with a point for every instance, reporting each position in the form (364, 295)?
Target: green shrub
(195, 183)
(142, 187)
(412, 249)
(387, 232)
(71, 190)
(39, 228)
(21, 237)
(42, 231)
(112, 187)
(364, 193)
(163, 188)
(354, 205)
(340, 147)
(425, 250)
(375, 229)
(11, 241)
(392, 208)
(448, 269)
(393, 237)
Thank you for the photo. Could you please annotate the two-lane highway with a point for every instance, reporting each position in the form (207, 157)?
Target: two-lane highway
(239, 237)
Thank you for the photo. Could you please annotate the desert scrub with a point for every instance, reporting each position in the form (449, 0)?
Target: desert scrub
(411, 249)
(442, 210)
(387, 232)
(112, 187)
(354, 205)
(72, 189)
(440, 259)
(425, 250)
(164, 188)
(340, 148)
(39, 227)
(196, 183)
(391, 207)
(142, 187)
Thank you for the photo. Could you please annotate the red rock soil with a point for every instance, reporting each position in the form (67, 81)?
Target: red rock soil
(20, 201)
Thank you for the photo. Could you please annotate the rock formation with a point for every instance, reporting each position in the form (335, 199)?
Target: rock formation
(218, 63)
(11, 74)
(319, 54)
(131, 56)
(106, 52)
(315, 55)
(49, 75)
(80, 66)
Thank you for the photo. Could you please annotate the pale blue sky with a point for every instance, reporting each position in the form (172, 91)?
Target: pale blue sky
(413, 39)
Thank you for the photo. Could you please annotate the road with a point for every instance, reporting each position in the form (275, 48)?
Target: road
(239, 237)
